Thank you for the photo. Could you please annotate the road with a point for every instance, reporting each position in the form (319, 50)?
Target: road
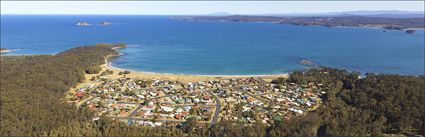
(92, 96)
(134, 112)
(217, 108)
(255, 96)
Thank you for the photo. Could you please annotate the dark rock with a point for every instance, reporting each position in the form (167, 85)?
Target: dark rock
(411, 31)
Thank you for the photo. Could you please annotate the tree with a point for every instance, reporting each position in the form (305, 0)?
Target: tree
(93, 70)
(190, 124)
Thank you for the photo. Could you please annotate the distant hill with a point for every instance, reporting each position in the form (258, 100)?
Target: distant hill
(384, 14)
(364, 13)
(378, 12)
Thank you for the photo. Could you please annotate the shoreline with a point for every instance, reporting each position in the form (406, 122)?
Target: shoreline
(172, 76)
(109, 65)
(338, 26)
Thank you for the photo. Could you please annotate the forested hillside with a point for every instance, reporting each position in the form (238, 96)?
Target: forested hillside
(373, 105)
(32, 90)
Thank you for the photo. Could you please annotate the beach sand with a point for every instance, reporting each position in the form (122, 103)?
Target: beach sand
(179, 77)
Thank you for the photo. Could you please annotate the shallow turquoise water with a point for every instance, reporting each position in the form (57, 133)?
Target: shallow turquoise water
(160, 44)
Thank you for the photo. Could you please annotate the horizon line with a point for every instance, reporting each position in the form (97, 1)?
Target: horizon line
(228, 13)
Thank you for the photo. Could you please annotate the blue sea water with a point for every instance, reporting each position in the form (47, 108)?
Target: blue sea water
(161, 44)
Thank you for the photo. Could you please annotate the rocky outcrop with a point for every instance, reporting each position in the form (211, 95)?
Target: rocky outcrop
(105, 23)
(411, 31)
(82, 24)
(308, 63)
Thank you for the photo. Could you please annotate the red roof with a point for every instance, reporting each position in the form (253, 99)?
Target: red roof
(79, 94)
(122, 112)
(178, 116)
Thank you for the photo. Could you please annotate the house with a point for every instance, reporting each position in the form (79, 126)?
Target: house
(140, 96)
(141, 113)
(79, 94)
(280, 99)
(178, 116)
(158, 124)
(152, 93)
(187, 108)
(178, 110)
(245, 108)
(168, 87)
(246, 88)
(188, 100)
(207, 98)
(148, 123)
(296, 110)
(196, 100)
(179, 101)
(130, 122)
(167, 109)
(122, 113)
(184, 113)
(220, 91)
(250, 120)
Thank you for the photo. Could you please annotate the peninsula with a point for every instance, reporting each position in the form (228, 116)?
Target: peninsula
(328, 21)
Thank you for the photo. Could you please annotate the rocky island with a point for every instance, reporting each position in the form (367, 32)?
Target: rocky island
(411, 31)
(105, 23)
(308, 63)
(83, 24)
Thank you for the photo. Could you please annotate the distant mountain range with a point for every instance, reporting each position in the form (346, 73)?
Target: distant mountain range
(364, 13)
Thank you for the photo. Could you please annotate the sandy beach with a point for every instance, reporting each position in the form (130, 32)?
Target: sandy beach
(179, 77)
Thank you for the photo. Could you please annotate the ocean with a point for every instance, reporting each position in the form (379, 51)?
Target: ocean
(161, 44)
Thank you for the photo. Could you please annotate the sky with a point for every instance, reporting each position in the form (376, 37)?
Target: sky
(200, 7)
